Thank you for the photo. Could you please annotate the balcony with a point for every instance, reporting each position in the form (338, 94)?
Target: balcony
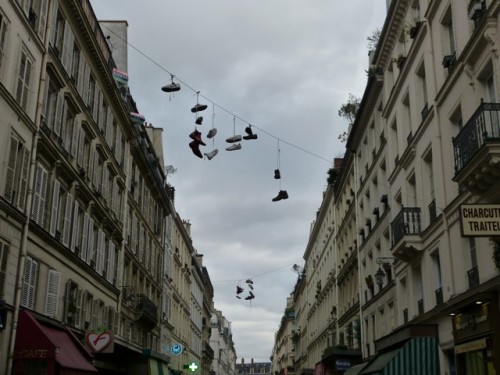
(477, 150)
(146, 312)
(406, 228)
(208, 351)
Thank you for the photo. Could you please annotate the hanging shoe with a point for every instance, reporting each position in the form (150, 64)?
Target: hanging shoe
(234, 139)
(211, 154)
(196, 136)
(277, 174)
(238, 297)
(239, 289)
(252, 296)
(171, 87)
(199, 108)
(250, 286)
(211, 133)
(195, 147)
(250, 136)
(199, 120)
(236, 146)
(249, 281)
(248, 130)
(281, 195)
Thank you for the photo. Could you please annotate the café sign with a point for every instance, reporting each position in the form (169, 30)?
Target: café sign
(480, 220)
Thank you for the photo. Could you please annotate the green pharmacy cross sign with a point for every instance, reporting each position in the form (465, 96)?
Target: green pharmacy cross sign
(192, 366)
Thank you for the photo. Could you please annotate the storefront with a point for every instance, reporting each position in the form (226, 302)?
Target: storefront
(476, 335)
(410, 350)
(338, 361)
(43, 348)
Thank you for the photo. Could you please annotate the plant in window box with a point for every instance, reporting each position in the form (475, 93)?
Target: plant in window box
(476, 9)
(414, 29)
(399, 60)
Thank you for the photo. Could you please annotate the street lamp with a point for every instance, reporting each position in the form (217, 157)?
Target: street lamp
(379, 275)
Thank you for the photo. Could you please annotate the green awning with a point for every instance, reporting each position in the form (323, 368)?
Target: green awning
(419, 356)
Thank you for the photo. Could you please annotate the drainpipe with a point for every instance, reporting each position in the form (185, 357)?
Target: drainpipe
(29, 197)
(443, 181)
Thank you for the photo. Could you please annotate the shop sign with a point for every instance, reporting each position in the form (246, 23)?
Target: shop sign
(342, 364)
(480, 220)
(33, 353)
(100, 341)
(470, 346)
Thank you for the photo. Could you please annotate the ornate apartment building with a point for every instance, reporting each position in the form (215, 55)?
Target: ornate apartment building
(98, 273)
(414, 206)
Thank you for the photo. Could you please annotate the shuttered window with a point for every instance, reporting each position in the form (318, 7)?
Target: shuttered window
(54, 212)
(23, 80)
(68, 210)
(4, 251)
(99, 258)
(110, 272)
(52, 295)
(16, 179)
(40, 195)
(3, 33)
(75, 226)
(29, 284)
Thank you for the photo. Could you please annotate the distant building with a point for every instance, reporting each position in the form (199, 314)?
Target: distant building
(253, 367)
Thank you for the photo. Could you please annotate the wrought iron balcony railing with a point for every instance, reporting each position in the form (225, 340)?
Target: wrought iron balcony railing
(483, 127)
(405, 223)
(147, 311)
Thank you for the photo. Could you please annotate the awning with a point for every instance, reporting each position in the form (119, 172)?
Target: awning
(35, 340)
(355, 370)
(419, 356)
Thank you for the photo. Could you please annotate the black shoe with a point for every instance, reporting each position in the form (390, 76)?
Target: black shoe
(195, 147)
(277, 174)
(281, 195)
(199, 120)
(248, 130)
(250, 136)
(171, 87)
(199, 108)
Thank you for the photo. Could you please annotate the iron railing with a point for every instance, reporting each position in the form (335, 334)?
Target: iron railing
(406, 222)
(482, 127)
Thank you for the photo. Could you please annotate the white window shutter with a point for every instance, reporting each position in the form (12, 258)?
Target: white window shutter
(42, 19)
(11, 168)
(67, 220)
(74, 137)
(100, 252)
(52, 295)
(96, 172)
(86, 80)
(81, 74)
(23, 183)
(76, 224)
(4, 249)
(58, 113)
(29, 284)
(23, 81)
(67, 50)
(110, 272)
(64, 126)
(90, 242)
(39, 196)
(114, 195)
(55, 208)
(109, 127)
(104, 181)
(118, 144)
(95, 108)
(81, 145)
(85, 234)
(90, 172)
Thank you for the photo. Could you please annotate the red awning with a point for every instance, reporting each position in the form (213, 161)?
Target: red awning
(34, 337)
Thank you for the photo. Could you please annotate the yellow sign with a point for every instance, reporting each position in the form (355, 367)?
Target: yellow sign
(480, 220)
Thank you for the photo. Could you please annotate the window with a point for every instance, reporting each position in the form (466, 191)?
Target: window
(23, 79)
(67, 48)
(57, 36)
(40, 195)
(52, 295)
(4, 251)
(16, 179)
(111, 261)
(29, 283)
(473, 254)
(3, 33)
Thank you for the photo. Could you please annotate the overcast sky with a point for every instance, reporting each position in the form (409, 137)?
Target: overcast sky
(283, 66)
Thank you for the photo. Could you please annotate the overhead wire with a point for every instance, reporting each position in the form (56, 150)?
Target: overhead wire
(199, 94)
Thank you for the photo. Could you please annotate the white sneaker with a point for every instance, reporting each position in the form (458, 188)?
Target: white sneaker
(211, 133)
(236, 146)
(211, 154)
(234, 139)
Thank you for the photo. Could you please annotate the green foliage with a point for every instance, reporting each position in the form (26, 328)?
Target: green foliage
(373, 39)
(350, 109)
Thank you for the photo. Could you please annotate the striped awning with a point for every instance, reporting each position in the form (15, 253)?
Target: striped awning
(419, 356)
